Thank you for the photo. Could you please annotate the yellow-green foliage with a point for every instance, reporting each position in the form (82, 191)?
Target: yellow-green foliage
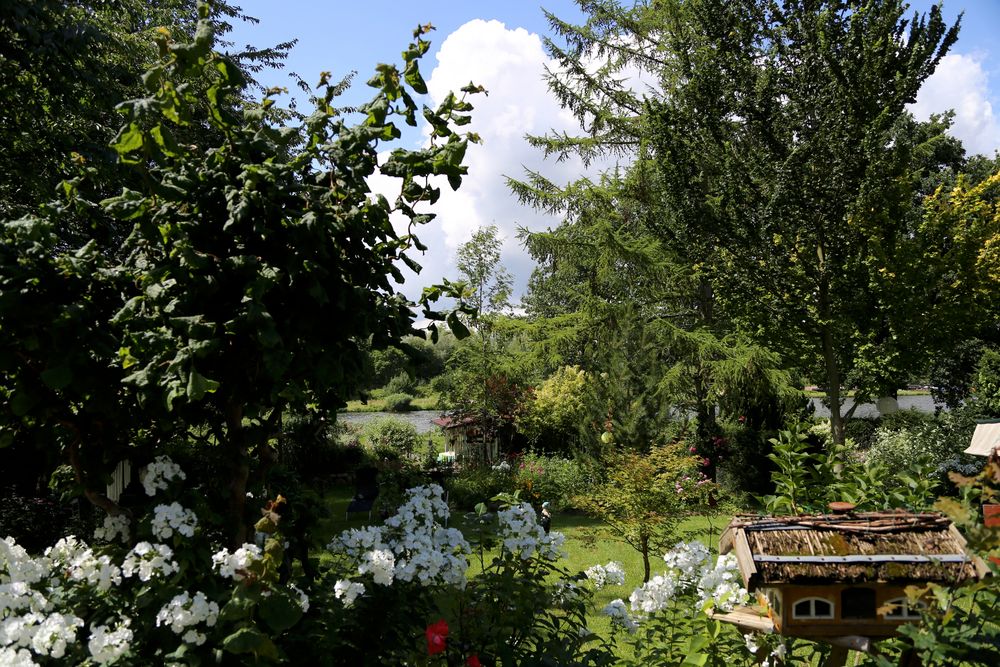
(558, 408)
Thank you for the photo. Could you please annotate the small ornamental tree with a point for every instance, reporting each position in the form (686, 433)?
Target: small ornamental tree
(645, 497)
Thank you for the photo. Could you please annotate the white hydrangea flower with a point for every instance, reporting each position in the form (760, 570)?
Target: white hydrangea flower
(380, 563)
(721, 586)
(159, 474)
(413, 545)
(348, 590)
(689, 560)
(173, 517)
(612, 574)
(184, 612)
(620, 617)
(106, 645)
(54, 633)
(76, 561)
(521, 536)
(147, 560)
(18, 596)
(655, 594)
(233, 565)
(113, 527)
(20, 567)
(16, 657)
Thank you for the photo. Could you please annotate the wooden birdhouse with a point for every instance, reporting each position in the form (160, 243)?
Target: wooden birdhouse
(842, 578)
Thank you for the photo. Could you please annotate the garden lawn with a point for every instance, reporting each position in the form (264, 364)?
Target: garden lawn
(588, 542)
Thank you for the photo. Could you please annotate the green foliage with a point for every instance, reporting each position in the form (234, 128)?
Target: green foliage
(644, 497)
(559, 481)
(552, 416)
(389, 436)
(812, 472)
(241, 248)
(940, 442)
(470, 486)
(987, 385)
(398, 402)
(959, 624)
(401, 383)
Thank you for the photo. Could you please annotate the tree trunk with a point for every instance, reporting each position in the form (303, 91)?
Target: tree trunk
(644, 548)
(830, 363)
(239, 462)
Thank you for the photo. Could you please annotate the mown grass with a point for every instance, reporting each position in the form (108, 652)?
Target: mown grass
(588, 542)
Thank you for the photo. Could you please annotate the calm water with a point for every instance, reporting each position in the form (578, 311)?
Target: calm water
(922, 403)
(421, 419)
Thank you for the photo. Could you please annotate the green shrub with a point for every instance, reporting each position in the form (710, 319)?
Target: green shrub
(471, 486)
(398, 402)
(387, 437)
(551, 478)
(941, 440)
(988, 384)
(401, 383)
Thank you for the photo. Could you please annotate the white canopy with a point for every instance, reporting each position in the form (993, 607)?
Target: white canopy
(985, 439)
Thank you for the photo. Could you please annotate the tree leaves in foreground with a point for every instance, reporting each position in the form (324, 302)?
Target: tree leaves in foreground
(256, 265)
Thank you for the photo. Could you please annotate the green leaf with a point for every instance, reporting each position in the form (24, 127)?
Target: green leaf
(57, 377)
(250, 640)
(128, 140)
(21, 403)
(280, 611)
(198, 385)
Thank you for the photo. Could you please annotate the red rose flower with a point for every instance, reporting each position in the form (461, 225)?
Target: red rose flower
(437, 635)
(473, 661)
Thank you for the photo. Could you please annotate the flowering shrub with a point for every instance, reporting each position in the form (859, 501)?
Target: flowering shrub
(148, 601)
(667, 621)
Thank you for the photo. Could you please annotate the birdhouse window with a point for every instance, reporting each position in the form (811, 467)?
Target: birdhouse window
(857, 603)
(901, 609)
(813, 608)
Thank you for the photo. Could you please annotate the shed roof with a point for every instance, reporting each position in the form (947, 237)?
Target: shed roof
(985, 438)
(869, 546)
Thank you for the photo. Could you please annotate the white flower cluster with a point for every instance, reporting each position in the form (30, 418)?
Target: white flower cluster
(45, 634)
(107, 645)
(303, 598)
(348, 591)
(16, 657)
(521, 535)
(185, 612)
(720, 586)
(503, 466)
(611, 574)
(234, 565)
(413, 545)
(76, 561)
(112, 527)
(149, 560)
(565, 592)
(655, 594)
(159, 474)
(173, 517)
(689, 571)
(688, 560)
(620, 617)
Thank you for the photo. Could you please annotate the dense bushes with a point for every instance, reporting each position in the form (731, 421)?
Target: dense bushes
(471, 486)
(940, 440)
(398, 402)
(551, 478)
(389, 438)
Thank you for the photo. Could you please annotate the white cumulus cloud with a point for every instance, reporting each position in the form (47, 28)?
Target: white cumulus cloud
(961, 83)
(510, 64)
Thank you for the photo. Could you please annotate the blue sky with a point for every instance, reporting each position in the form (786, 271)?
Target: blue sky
(498, 45)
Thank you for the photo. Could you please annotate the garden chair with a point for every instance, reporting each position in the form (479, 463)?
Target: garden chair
(365, 492)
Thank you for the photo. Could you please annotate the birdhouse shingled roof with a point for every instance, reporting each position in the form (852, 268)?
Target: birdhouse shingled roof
(849, 548)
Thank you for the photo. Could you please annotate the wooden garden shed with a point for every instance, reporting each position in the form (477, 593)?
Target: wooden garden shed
(841, 578)
(465, 437)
